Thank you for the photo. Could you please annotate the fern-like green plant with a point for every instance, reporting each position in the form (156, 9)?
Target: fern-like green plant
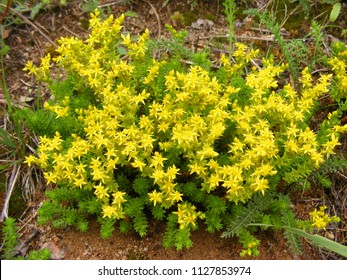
(272, 209)
(10, 237)
(274, 212)
(333, 165)
(68, 206)
(10, 242)
(230, 11)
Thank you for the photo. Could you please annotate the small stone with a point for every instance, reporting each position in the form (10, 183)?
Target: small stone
(330, 235)
(56, 253)
(202, 24)
(56, 239)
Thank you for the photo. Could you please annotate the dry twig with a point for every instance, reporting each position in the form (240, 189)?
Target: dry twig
(157, 16)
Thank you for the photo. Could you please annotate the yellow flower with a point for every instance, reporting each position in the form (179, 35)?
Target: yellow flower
(224, 60)
(306, 78)
(158, 175)
(170, 81)
(173, 197)
(198, 168)
(237, 145)
(153, 71)
(246, 163)
(79, 181)
(29, 160)
(329, 146)
(213, 181)
(118, 198)
(320, 219)
(109, 211)
(55, 143)
(45, 62)
(43, 159)
(264, 170)
(291, 146)
(126, 39)
(147, 142)
(292, 130)
(187, 215)
(31, 68)
(155, 197)
(101, 191)
(207, 152)
(99, 174)
(157, 160)
(307, 135)
(260, 184)
(317, 158)
(51, 177)
(171, 172)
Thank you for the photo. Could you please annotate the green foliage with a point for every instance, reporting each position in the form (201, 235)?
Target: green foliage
(135, 210)
(335, 10)
(269, 20)
(10, 236)
(14, 139)
(90, 5)
(107, 228)
(42, 4)
(338, 64)
(215, 208)
(333, 165)
(44, 254)
(230, 11)
(275, 212)
(176, 237)
(244, 214)
(321, 241)
(10, 242)
(67, 206)
(272, 209)
(129, 136)
(7, 139)
(287, 219)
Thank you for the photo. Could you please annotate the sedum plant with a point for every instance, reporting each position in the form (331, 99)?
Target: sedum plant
(128, 136)
(338, 64)
(10, 245)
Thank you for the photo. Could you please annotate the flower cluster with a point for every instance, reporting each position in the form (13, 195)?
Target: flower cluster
(187, 215)
(250, 249)
(320, 219)
(339, 67)
(161, 136)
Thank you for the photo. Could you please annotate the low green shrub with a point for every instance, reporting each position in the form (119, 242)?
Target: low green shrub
(136, 137)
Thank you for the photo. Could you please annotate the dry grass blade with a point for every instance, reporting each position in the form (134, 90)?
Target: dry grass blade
(156, 15)
(32, 179)
(13, 180)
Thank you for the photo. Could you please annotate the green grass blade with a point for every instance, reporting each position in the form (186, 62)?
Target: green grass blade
(5, 139)
(335, 12)
(321, 241)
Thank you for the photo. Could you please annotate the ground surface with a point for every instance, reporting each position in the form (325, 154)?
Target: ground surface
(28, 43)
